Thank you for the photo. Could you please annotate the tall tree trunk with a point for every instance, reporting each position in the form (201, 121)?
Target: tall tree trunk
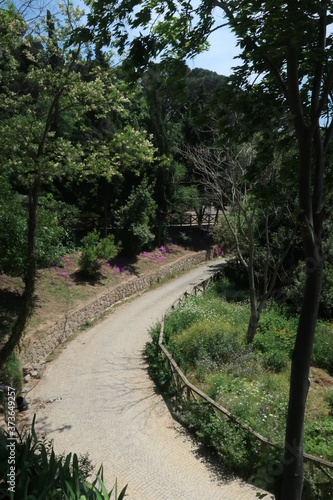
(254, 317)
(105, 191)
(299, 384)
(29, 277)
(311, 221)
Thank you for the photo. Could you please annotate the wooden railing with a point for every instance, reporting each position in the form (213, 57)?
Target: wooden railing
(191, 220)
(188, 390)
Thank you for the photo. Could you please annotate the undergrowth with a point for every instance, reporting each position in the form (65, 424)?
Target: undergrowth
(206, 337)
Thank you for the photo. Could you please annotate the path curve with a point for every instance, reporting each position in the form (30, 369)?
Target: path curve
(97, 397)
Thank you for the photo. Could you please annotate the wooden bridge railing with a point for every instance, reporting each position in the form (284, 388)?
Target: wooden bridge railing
(191, 220)
(185, 387)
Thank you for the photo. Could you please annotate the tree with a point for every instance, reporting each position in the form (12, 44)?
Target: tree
(288, 45)
(135, 219)
(261, 252)
(35, 147)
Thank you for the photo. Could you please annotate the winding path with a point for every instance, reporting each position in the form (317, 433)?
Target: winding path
(96, 397)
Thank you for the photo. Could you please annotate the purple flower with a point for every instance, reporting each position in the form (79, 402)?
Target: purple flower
(163, 249)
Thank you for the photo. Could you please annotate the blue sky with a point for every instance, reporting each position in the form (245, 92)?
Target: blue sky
(220, 56)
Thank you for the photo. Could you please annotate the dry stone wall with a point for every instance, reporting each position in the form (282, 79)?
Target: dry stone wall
(37, 347)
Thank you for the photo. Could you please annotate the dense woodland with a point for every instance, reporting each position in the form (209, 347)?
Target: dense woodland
(137, 142)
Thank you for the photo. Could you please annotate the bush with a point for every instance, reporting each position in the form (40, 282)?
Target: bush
(275, 338)
(11, 373)
(158, 369)
(43, 475)
(275, 360)
(211, 340)
(233, 444)
(326, 299)
(294, 293)
(53, 234)
(94, 249)
(322, 354)
(13, 236)
(135, 220)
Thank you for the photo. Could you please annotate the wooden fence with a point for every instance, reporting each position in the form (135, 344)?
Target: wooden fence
(188, 390)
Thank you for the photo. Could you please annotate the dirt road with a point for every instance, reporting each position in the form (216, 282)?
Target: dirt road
(96, 397)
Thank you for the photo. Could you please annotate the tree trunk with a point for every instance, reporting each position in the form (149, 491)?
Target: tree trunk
(29, 277)
(254, 317)
(292, 483)
(105, 191)
(253, 325)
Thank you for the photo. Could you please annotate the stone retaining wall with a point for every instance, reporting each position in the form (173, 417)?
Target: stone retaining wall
(36, 348)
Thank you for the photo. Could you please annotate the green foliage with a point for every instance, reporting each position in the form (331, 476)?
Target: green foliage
(206, 342)
(11, 373)
(53, 233)
(136, 219)
(326, 299)
(329, 400)
(93, 250)
(40, 474)
(322, 353)
(258, 399)
(13, 234)
(275, 338)
(54, 236)
(205, 336)
(318, 437)
(158, 369)
(294, 292)
(316, 486)
(237, 449)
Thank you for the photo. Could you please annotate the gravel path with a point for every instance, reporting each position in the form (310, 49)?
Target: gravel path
(96, 397)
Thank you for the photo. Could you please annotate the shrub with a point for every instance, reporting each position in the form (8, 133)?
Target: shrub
(11, 372)
(318, 437)
(135, 220)
(329, 400)
(234, 445)
(275, 360)
(322, 354)
(94, 249)
(326, 299)
(158, 369)
(53, 233)
(214, 340)
(275, 338)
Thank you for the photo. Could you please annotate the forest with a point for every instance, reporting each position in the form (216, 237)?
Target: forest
(98, 157)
